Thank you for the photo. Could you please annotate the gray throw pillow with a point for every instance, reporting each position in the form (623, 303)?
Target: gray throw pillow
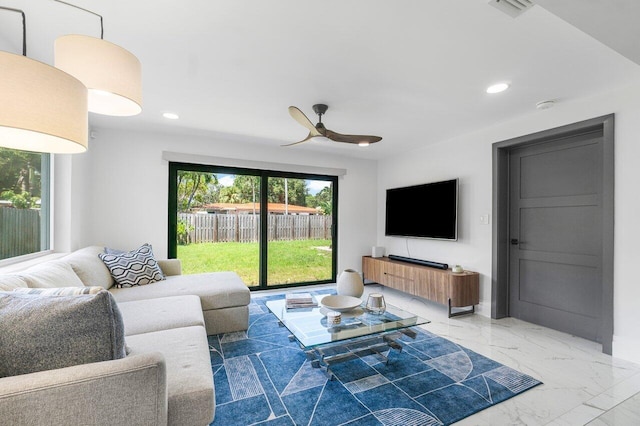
(110, 250)
(47, 332)
(136, 267)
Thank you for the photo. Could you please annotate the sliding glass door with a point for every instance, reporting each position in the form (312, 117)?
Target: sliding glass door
(274, 229)
(299, 240)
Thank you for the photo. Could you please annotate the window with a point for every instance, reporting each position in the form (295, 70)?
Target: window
(24, 202)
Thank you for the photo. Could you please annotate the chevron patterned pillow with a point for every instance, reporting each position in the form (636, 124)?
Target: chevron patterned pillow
(136, 267)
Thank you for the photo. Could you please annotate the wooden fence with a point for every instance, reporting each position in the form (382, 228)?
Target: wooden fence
(19, 232)
(212, 228)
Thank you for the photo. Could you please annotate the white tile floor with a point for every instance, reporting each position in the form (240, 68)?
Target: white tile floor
(581, 385)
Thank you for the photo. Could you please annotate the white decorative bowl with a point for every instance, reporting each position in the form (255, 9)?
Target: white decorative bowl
(340, 303)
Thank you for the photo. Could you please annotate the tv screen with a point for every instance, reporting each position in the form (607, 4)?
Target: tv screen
(424, 211)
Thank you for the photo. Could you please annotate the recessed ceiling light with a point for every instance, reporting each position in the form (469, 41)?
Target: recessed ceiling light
(171, 115)
(545, 104)
(497, 88)
(363, 143)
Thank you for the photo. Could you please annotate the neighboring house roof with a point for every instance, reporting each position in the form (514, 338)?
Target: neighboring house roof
(250, 207)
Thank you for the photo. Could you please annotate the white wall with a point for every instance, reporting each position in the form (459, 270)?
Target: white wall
(440, 162)
(468, 157)
(119, 190)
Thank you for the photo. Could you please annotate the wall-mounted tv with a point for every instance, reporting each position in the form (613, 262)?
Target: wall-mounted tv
(429, 210)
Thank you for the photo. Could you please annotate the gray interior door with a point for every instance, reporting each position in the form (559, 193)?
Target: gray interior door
(555, 226)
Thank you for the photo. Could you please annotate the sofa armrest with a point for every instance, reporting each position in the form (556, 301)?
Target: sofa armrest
(132, 390)
(170, 266)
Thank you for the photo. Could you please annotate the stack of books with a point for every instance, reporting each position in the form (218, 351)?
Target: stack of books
(300, 300)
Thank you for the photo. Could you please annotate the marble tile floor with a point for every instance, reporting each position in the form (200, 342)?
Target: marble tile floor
(581, 385)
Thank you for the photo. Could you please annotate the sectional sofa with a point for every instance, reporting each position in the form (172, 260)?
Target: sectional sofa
(162, 374)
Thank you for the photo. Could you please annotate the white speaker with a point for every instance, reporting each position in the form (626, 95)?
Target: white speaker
(377, 251)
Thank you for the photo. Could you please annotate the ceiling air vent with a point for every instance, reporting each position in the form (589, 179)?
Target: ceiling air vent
(512, 8)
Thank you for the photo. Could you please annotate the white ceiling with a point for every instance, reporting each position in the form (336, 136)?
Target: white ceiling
(411, 71)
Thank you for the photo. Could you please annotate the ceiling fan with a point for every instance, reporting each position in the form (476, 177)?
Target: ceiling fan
(319, 129)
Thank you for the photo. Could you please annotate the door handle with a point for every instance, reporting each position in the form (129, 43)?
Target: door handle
(514, 242)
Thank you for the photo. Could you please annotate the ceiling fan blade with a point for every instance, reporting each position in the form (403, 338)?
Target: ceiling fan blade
(302, 119)
(303, 140)
(356, 139)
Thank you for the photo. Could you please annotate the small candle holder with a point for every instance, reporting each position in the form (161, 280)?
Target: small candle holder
(333, 318)
(376, 304)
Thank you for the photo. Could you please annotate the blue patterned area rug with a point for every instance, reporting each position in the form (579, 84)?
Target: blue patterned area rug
(262, 378)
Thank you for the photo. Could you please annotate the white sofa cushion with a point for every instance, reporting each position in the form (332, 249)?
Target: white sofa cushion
(190, 389)
(144, 316)
(170, 266)
(217, 290)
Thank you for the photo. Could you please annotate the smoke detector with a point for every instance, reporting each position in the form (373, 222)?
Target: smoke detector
(513, 8)
(545, 104)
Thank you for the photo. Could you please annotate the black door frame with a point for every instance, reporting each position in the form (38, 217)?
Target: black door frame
(500, 204)
(263, 174)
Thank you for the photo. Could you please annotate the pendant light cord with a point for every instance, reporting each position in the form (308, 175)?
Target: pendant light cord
(24, 28)
(88, 11)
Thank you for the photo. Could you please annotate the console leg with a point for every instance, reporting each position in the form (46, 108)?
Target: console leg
(463, 312)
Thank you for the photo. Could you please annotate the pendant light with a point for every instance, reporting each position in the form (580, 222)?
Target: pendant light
(112, 74)
(42, 108)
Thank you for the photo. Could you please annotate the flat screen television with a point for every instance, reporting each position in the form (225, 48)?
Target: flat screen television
(429, 210)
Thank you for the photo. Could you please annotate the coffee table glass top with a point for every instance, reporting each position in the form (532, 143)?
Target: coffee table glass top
(309, 325)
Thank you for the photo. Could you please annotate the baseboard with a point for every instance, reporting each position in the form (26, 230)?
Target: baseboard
(483, 309)
(626, 348)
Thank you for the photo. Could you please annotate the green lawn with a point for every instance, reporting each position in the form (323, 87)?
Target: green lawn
(289, 261)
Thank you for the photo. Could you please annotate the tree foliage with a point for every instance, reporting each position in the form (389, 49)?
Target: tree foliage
(199, 188)
(20, 177)
(324, 200)
(296, 191)
(193, 188)
(245, 189)
(183, 232)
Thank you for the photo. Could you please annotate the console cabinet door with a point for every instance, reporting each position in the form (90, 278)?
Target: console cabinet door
(464, 290)
(433, 285)
(400, 277)
(390, 274)
(371, 269)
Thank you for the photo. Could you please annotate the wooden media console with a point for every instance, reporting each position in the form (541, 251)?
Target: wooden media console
(438, 285)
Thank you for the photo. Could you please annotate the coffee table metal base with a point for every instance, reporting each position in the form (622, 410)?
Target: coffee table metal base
(324, 356)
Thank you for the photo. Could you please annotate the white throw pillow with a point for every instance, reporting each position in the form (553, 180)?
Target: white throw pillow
(51, 274)
(89, 268)
(9, 282)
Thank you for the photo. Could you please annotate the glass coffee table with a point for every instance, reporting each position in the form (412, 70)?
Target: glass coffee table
(360, 332)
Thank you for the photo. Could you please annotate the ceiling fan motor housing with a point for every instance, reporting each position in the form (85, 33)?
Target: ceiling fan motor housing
(320, 109)
(320, 127)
